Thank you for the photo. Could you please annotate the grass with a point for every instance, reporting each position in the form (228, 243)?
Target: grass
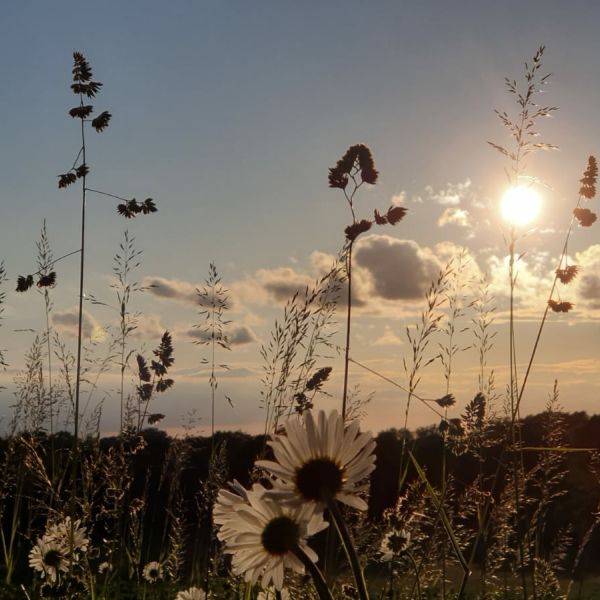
(486, 535)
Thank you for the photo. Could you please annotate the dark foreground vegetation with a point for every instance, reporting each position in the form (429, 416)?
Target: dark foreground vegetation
(170, 477)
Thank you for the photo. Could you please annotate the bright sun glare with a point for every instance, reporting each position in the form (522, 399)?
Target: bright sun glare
(520, 205)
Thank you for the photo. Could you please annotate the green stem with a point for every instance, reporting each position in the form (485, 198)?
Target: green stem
(417, 574)
(344, 534)
(309, 565)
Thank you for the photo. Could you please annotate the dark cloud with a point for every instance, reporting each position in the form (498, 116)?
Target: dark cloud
(399, 269)
(281, 284)
(68, 321)
(589, 289)
(242, 335)
(173, 289)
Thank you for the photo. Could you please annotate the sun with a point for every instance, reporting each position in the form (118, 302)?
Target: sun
(521, 205)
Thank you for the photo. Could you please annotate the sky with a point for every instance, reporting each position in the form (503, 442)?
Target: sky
(229, 114)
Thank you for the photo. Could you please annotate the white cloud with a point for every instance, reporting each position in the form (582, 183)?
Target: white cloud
(454, 194)
(454, 216)
(149, 327)
(399, 199)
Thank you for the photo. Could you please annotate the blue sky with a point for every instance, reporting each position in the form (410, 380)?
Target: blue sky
(229, 115)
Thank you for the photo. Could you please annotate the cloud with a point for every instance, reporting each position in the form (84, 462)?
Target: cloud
(535, 274)
(398, 269)
(149, 327)
(388, 338)
(454, 194)
(278, 285)
(283, 282)
(454, 216)
(172, 289)
(588, 282)
(237, 335)
(399, 199)
(68, 322)
(589, 289)
(534, 280)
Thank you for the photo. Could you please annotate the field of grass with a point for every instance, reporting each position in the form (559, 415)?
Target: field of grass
(471, 507)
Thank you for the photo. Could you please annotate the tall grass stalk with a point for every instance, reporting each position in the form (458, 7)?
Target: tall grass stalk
(3, 279)
(419, 338)
(522, 131)
(213, 299)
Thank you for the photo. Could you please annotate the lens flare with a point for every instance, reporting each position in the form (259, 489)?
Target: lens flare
(521, 205)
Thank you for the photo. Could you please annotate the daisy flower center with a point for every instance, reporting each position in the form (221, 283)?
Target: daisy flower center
(319, 479)
(280, 535)
(53, 558)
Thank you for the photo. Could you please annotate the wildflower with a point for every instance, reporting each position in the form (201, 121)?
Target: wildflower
(394, 543)
(366, 164)
(100, 123)
(588, 181)
(560, 306)
(24, 283)
(153, 572)
(354, 230)
(316, 381)
(73, 537)
(395, 214)
(104, 567)
(228, 502)
(49, 557)
(320, 463)
(380, 219)
(358, 156)
(567, 274)
(193, 593)
(585, 216)
(446, 401)
(48, 280)
(263, 535)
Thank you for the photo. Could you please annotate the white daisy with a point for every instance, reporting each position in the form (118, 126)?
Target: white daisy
(104, 567)
(152, 572)
(62, 533)
(228, 502)
(49, 557)
(263, 534)
(394, 543)
(193, 593)
(320, 462)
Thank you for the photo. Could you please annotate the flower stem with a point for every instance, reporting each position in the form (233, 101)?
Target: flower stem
(344, 534)
(348, 323)
(309, 565)
(417, 574)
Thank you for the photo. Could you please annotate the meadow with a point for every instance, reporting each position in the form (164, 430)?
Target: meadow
(487, 503)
